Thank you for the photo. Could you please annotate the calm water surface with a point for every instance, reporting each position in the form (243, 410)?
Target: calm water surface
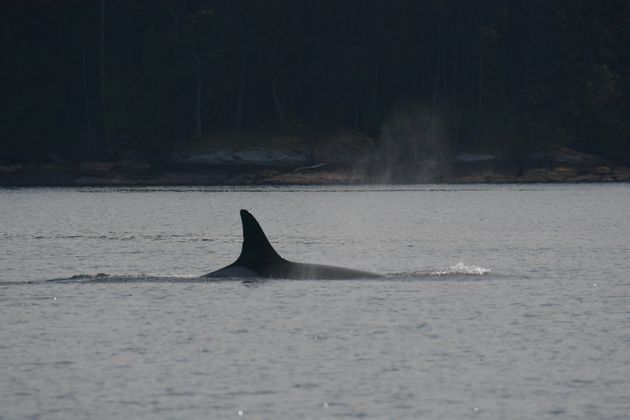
(497, 302)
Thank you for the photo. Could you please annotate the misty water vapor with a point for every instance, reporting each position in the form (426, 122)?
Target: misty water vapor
(414, 146)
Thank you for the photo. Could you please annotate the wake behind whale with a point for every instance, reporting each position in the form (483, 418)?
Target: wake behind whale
(458, 272)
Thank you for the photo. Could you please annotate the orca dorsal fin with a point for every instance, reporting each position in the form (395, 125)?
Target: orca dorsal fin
(256, 253)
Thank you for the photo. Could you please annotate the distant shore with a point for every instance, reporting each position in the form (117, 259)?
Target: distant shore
(316, 157)
(143, 173)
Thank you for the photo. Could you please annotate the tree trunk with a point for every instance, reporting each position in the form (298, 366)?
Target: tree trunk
(277, 101)
(198, 85)
(436, 88)
(130, 36)
(198, 79)
(102, 71)
(238, 112)
(480, 116)
(181, 121)
(240, 95)
(86, 103)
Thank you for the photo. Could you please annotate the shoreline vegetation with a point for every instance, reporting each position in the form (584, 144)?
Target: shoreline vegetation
(226, 92)
(317, 157)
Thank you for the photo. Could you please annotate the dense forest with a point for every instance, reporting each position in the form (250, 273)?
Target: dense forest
(110, 79)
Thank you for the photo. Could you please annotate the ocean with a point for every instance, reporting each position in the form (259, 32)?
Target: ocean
(497, 301)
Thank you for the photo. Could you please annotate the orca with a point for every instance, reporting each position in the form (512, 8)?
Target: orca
(258, 259)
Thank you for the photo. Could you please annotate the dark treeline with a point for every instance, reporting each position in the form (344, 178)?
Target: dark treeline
(108, 79)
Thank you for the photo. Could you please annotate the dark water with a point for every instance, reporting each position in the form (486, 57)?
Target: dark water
(497, 302)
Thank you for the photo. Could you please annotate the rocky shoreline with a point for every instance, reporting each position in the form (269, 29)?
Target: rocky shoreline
(314, 158)
(144, 173)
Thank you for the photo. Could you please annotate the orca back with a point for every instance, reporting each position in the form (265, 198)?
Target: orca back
(259, 259)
